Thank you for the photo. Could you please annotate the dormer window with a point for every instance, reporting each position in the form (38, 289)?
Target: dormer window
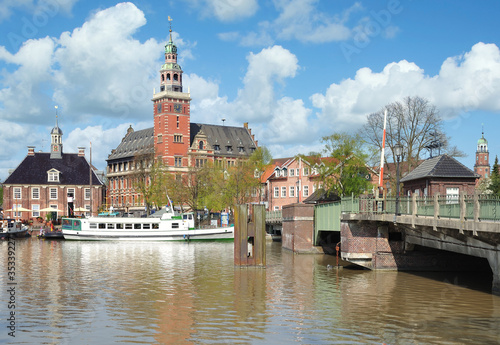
(241, 149)
(229, 149)
(200, 145)
(53, 175)
(217, 147)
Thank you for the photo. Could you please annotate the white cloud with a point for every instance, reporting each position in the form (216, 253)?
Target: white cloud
(467, 82)
(24, 84)
(289, 123)
(298, 20)
(255, 102)
(102, 59)
(36, 8)
(226, 10)
(275, 120)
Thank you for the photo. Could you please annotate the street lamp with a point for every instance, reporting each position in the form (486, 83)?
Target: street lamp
(398, 151)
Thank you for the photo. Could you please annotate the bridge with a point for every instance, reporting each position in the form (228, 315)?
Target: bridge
(435, 233)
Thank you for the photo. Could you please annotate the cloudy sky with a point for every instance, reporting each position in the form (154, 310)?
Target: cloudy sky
(295, 70)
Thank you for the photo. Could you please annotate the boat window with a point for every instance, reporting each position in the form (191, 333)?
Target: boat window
(119, 226)
(175, 225)
(102, 226)
(111, 226)
(66, 224)
(137, 226)
(93, 225)
(76, 225)
(146, 226)
(156, 226)
(128, 226)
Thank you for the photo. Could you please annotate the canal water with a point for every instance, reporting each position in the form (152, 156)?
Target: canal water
(190, 293)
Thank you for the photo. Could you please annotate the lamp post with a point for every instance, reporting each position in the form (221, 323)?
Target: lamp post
(398, 151)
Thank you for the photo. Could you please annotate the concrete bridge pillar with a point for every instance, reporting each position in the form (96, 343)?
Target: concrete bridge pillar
(494, 260)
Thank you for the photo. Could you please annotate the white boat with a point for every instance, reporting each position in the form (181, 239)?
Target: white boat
(167, 227)
(10, 228)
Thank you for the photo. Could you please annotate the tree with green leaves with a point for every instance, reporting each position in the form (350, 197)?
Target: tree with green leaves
(343, 170)
(148, 179)
(494, 186)
(259, 161)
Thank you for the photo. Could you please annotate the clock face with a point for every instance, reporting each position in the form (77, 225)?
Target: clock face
(177, 108)
(55, 148)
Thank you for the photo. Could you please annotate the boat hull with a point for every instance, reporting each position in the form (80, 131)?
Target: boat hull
(218, 234)
(140, 229)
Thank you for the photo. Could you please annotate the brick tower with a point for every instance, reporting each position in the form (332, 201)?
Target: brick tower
(482, 166)
(171, 112)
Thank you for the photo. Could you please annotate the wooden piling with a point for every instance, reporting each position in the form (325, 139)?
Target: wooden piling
(250, 235)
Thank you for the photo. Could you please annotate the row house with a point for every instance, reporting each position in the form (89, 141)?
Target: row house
(288, 181)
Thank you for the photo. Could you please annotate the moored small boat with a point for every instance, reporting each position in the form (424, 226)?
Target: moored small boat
(10, 228)
(51, 233)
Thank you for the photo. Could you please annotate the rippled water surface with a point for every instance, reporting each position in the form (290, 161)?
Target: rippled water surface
(191, 293)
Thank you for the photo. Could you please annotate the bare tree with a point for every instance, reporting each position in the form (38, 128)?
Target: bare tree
(413, 122)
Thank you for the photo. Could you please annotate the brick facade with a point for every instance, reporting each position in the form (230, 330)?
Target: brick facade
(298, 229)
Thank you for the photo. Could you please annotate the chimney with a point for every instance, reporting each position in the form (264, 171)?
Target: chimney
(245, 125)
(31, 150)
(81, 151)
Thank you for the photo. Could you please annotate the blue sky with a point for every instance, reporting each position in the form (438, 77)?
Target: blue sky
(295, 70)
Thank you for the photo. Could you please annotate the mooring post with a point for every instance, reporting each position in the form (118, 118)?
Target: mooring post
(250, 236)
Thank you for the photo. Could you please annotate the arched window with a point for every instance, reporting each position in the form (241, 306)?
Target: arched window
(168, 76)
(200, 145)
(176, 77)
(162, 77)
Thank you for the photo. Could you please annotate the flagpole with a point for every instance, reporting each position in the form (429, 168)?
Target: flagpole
(381, 177)
(90, 178)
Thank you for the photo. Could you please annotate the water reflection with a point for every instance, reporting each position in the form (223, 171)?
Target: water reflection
(191, 293)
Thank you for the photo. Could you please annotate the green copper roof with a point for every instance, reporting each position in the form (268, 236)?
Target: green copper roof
(170, 47)
(482, 141)
(171, 66)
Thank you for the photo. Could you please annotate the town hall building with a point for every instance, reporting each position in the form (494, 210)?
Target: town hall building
(55, 183)
(174, 139)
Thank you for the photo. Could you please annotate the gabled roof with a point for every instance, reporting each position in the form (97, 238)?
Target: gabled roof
(224, 136)
(74, 170)
(135, 143)
(440, 166)
(320, 196)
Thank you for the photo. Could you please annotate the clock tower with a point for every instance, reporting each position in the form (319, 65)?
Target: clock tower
(482, 166)
(56, 142)
(171, 108)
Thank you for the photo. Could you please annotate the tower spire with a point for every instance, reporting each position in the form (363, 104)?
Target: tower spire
(170, 28)
(56, 140)
(171, 72)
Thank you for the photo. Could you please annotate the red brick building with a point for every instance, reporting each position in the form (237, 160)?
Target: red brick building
(442, 174)
(52, 181)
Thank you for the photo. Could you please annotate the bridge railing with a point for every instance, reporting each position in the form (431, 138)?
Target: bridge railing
(274, 216)
(487, 206)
